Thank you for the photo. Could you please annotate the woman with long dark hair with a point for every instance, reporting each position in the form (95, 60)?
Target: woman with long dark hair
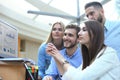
(100, 62)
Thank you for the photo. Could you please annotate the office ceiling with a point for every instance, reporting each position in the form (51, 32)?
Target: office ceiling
(33, 18)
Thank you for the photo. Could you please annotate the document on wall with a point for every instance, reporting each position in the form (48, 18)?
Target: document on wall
(8, 39)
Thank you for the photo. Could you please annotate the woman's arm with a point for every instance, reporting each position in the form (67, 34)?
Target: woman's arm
(41, 60)
(100, 67)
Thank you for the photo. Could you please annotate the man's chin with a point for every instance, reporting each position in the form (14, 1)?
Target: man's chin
(66, 46)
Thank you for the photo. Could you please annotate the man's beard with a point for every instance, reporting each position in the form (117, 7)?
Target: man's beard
(100, 19)
(72, 45)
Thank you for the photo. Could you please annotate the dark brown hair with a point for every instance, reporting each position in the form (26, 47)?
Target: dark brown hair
(96, 35)
(94, 4)
(73, 26)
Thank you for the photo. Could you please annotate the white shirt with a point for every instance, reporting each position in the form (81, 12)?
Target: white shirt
(105, 67)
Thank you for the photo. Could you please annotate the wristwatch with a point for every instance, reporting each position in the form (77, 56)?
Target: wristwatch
(65, 62)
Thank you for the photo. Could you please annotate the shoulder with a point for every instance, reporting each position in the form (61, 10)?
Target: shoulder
(110, 49)
(112, 22)
(112, 25)
(43, 44)
(107, 52)
(111, 53)
(42, 47)
(108, 56)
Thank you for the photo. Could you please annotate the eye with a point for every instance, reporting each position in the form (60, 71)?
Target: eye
(70, 35)
(91, 13)
(87, 15)
(84, 29)
(59, 29)
(54, 29)
(65, 34)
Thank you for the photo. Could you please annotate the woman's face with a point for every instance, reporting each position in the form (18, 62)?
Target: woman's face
(83, 35)
(57, 32)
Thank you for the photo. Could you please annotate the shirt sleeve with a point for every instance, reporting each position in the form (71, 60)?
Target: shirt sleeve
(101, 65)
(52, 70)
(41, 60)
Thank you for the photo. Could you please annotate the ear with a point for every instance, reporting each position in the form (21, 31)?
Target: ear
(102, 11)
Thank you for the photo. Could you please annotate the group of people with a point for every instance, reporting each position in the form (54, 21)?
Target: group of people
(90, 51)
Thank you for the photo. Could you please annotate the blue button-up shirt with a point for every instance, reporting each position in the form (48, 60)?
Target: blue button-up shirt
(43, 60)
(75, 60)
(112, 35)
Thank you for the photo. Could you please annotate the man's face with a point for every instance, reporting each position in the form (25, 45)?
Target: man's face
(94, 14)
(70, 38)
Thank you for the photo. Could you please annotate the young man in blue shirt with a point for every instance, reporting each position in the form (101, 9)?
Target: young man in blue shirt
(71, 52)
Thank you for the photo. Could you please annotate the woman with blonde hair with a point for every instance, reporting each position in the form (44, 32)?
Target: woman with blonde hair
(54, 37)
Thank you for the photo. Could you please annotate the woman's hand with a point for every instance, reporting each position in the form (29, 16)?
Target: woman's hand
(53, 51)
(60, 61)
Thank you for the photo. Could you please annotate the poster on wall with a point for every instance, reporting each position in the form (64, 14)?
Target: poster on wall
(8, 40)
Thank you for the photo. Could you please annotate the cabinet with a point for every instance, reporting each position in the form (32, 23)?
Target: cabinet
(18, 69)
(12, 71)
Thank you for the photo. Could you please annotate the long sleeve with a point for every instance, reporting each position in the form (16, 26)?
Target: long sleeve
(52, 70)
(43, 60)
(103, 68)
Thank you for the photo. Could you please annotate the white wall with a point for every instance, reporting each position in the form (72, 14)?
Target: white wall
(31, 50)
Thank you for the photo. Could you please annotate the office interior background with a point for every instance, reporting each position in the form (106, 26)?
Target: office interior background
(34, 18)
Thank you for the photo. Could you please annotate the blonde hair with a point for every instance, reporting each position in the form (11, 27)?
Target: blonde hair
(50, 39)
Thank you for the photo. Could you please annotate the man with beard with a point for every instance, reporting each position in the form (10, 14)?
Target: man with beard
(95, 11)
(71, 52)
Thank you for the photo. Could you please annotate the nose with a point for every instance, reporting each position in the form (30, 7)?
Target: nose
(65, 37)
(79, 33)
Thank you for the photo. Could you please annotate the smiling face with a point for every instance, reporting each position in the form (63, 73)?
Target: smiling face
(83, 35)
(70, 38)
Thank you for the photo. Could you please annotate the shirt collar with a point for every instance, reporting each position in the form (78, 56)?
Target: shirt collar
(101, 52)
(75, 53)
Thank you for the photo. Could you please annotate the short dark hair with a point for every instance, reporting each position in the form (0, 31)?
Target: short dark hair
(94, 4)
(73, 26)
